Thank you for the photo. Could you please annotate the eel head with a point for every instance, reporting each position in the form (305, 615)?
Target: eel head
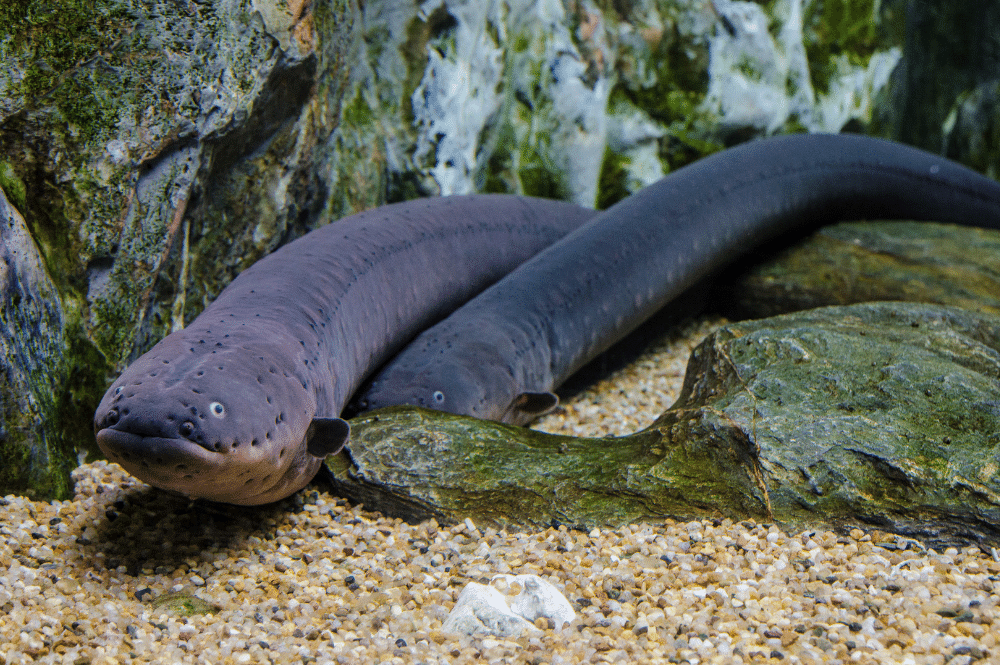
(481, 386)
(215, 418)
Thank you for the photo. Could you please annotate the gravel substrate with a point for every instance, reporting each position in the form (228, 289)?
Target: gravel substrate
(632, 398)
(124, 573)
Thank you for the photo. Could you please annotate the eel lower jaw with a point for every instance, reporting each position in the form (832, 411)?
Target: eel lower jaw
(181, 466)
(162, 462)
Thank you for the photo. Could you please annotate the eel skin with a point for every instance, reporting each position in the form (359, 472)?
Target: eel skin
(502, 354)
(242, 405)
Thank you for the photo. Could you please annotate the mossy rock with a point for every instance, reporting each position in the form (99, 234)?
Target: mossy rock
(854, 262)
(877, 415)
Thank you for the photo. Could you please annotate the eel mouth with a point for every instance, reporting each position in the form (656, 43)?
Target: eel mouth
(182, 466)
(168, 463)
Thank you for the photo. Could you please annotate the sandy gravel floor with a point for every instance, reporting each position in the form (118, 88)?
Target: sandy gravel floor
(123, 573)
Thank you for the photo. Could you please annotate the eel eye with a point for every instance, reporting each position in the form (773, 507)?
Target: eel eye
(186, 429)
(118, 390)
(217, 410)
(438, 397)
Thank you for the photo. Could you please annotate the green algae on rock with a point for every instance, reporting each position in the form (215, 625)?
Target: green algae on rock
(879, 414)
(34, 461)
(183, 604)
(855, 262)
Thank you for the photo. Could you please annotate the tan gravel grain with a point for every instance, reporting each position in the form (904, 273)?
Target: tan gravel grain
(123, 573)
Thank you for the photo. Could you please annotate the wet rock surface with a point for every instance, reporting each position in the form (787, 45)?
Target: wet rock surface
(121, 127)
(872, 414)
(33, 461)
(854, 262)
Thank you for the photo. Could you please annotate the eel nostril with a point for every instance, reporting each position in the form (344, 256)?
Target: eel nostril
(111, 418)
(186, 429)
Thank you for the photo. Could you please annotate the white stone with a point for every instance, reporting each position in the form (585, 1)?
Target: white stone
(538, 598)
(484, 610)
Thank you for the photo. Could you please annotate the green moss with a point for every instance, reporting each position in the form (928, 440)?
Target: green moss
(359, 166)
(672, 93)
(497, 173)
(31, 464)
(612, 183)
(679, 79)
(520, 160)
(112, 322)
(41, 446)
(73, 91)
(377, 40)
(12, 186)
(57, 36)
(537, 175)
(542, 182)
(414, 51)
(748, 67)
(357, 114)
(520, 43)
(87, 372)
(837, 30)
(88, 115)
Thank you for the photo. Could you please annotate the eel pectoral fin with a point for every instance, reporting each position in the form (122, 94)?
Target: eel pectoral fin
(326, 436)
(532, 404)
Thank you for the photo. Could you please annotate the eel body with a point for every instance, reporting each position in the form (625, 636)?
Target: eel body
(243, 404)
(502, 354)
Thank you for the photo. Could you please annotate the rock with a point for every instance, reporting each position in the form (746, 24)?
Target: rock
(874, 414)
(536, 599)
(485, 610)
(34, 460)
(975, 137)
(182, 603)
(951, 58)
(481, 609)
(854, 262)
(878, 414)
(124, 131)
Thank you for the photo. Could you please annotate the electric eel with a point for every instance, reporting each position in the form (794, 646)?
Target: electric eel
(502, 354)
(243, 404)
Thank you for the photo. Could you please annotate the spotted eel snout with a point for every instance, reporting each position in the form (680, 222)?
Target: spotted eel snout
(176, 417)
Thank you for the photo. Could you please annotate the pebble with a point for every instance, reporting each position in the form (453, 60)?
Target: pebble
(314, 579)
(482, 610)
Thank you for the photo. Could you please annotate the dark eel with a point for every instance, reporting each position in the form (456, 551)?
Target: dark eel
(502, 354)
(242, 405)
